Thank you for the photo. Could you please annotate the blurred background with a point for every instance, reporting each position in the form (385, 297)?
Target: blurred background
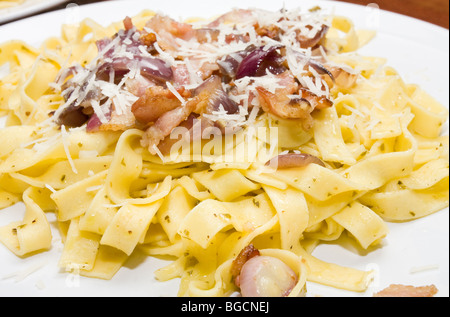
(433, 11)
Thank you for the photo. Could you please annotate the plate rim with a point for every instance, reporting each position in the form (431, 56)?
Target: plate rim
(24, 10)
(330, 2)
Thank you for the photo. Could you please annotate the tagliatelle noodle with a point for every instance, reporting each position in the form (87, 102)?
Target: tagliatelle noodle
(32, 233)
(10, 3)
(385, 160)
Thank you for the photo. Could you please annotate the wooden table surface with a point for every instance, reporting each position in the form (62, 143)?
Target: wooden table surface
(433, 11)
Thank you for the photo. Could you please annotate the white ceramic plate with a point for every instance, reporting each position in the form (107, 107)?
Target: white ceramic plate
(418, 50)
(29, 7)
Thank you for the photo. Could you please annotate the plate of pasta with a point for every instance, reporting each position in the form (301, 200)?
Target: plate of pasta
(251, 149)
(14, 9)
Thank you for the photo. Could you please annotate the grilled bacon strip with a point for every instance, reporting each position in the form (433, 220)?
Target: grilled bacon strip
(398, 290)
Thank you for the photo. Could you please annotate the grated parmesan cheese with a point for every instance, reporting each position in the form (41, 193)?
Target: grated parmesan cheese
(65, 141)
(19, 276)
(175, 92)
(93, 188)
(424, 268)
(49, 187)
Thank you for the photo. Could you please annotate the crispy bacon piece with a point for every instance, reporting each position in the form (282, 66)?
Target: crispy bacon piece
(169, 30)
(170, 120)
(139, 85)
(116, 122)
(271, 31)
(317, 102)
(128, 23)
(246, 254)
(398, 290)
(148, 38)
(161, 23)
(204, 35)
(155, 102)
(163, 126)
(194, 128)
(282, 106)
(343, 78)
(181, 75)
(119, 122)
(165, 146)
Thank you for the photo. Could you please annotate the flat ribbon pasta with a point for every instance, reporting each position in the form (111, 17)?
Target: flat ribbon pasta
(31, 234)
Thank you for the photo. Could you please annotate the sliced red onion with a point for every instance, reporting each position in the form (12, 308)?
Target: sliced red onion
(150, 67)
(266, 276)
(118, 64)
(221, 99)
(103, 44)
(94, 122)
(229, 64)
(209, 85)
(155, 68)
(66, 73)
(259, 60)
(292, 160)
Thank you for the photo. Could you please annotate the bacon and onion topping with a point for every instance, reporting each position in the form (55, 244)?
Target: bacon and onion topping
(154, 78)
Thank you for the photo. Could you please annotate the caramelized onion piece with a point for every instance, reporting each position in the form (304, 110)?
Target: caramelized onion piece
(150, 67)
(292, 160)
(246, 254)
(343, 78)
(306, 42)
(266, 276)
